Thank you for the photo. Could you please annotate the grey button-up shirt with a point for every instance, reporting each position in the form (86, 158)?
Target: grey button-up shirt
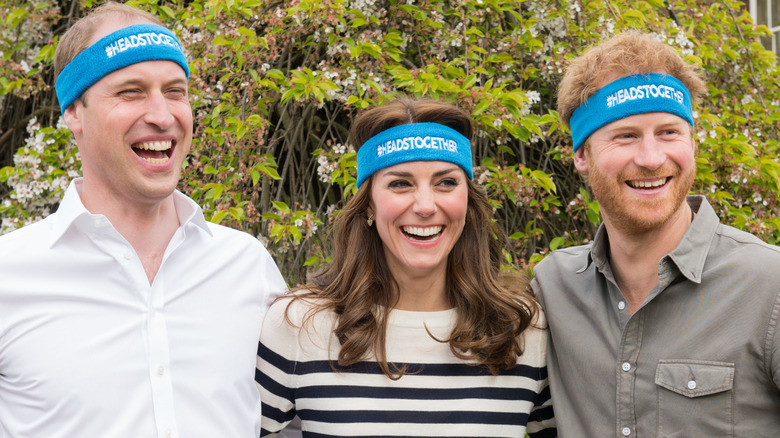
(699, 358)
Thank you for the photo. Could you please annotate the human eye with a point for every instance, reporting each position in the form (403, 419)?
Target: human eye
(177, 92)
(129, 92)
(448, 182)
(399, 184)
(624, 137)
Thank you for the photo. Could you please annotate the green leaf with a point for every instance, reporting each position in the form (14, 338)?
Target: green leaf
(281, 206)
(394, 38)
(220, 40)
(632, 13)
(246, 32)
(544, 180)
(481, 107)
(517, 236)
(15, 17)
(556, 243)
(270, 171)
(312, 261)
(275, 74)
(168, 11)
(218, 216)
(6, 172)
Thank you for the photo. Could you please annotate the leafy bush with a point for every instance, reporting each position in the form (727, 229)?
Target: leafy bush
(274, 86)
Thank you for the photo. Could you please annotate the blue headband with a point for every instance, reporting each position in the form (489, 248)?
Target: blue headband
(126, 46)
(413, 142)
(635, 94)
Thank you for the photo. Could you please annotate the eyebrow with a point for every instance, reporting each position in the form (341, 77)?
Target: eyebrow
(136, 81)
(409, 175)
(663, 124)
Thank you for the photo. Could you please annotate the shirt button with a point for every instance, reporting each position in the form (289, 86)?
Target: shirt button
(161, 370)
(97, 223)
(128, 255)
(168, 433)
(626, 366)
(621, 305)
(692, 384)
(626, 431)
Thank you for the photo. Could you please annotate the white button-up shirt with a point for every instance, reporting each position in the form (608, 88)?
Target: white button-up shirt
(88, 348)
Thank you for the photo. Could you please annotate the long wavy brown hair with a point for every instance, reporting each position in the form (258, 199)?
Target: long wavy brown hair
(493, 308)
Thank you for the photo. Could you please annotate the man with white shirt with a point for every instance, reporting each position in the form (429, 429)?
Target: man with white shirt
(126, 313)
(667, 323)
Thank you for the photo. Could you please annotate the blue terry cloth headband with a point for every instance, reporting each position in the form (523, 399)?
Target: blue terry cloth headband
(126, 46)
(413, 142)
(635, 94)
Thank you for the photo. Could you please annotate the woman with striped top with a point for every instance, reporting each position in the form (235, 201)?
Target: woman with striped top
(412, 329)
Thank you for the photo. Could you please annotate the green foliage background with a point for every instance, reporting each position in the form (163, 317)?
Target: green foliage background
(274, 86)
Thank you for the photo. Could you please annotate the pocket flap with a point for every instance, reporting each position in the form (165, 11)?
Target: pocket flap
(695, 378)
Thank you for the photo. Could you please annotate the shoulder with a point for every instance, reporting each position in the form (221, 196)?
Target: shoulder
(742, 246)
(223, 234)
(294, 312)
(29, 238)
(739, 237)
(573, 255)
(561, 264)
(239, 248)
(535, 341)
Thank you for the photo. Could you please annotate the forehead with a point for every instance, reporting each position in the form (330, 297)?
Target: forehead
(418, 167)
(646, 119)
(147, 73)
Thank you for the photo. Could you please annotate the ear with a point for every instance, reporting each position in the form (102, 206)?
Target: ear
(72, 116)
(581, 160)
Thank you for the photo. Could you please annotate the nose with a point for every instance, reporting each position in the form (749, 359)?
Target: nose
(424, 202)
(157, 111)
(650, 156)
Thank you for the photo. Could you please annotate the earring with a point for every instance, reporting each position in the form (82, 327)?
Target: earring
(370, 220)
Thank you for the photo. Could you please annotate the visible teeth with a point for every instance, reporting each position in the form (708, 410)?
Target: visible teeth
(422, 231)
(648, 184)
(156, 160)
(154, 146)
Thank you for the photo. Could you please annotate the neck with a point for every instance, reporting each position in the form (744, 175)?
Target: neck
(634, 257)
(422, 293)
(147, 227)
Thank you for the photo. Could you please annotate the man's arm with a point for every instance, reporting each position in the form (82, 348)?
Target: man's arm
(772, 356)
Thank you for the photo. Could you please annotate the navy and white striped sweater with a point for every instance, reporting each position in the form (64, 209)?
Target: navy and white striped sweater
(439, 396)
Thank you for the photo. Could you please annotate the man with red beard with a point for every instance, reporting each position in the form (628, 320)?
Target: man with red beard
(667, 323)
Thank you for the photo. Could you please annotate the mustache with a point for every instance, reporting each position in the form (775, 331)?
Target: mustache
(668, 170)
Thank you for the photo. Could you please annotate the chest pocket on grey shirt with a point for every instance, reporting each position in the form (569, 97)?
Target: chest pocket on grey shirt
(695, 398)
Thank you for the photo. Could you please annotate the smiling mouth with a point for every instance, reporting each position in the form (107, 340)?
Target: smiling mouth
(647, 184)
(155, 152)
(422, 234)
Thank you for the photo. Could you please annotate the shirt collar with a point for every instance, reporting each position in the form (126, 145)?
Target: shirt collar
(71, 210)
(691, 252)
(689, 255)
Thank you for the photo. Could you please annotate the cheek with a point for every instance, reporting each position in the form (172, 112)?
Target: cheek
(182, 111)
(685, 159)
(614, 165)
(388, 208)
(457, 206)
